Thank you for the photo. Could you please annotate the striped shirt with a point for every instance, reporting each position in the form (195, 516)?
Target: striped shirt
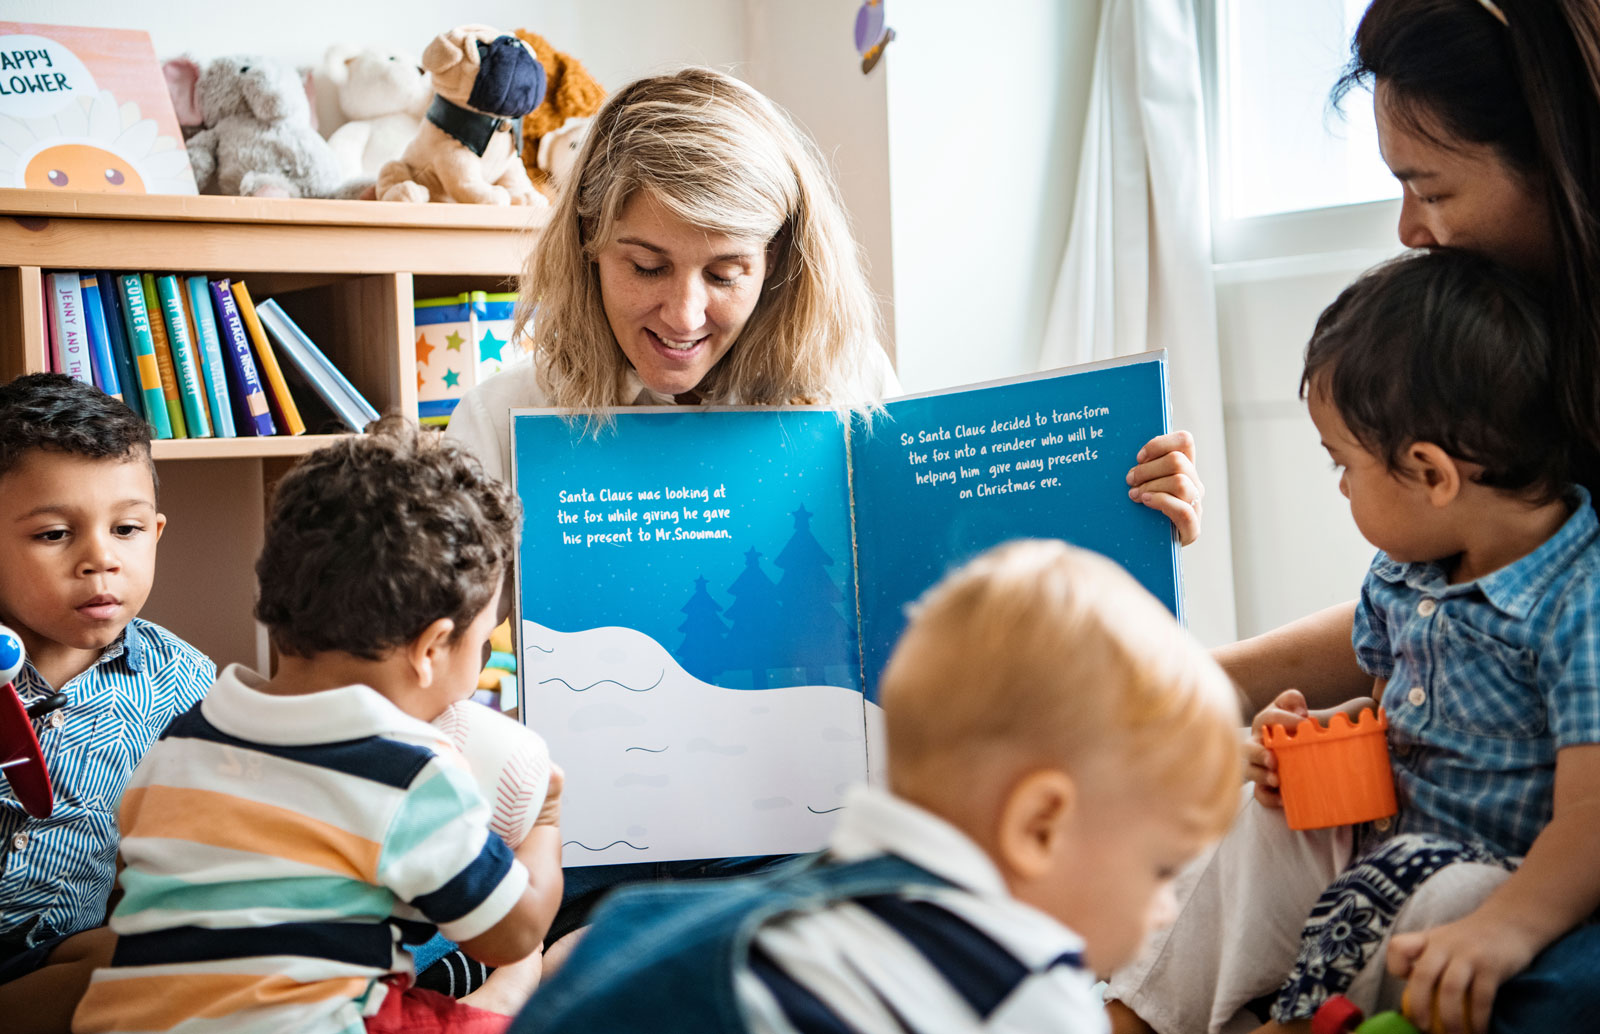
(1487, 681)
(968, 957)
(278, 848)
(56, 873)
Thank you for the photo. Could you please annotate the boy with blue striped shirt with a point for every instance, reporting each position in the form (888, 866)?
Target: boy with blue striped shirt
(78, 533)
(285, 837)
(1058, 748)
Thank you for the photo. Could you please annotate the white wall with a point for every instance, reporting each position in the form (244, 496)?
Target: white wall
(986, 116)
(803, 56)
(1295, 546)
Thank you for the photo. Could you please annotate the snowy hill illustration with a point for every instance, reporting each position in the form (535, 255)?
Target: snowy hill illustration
(661, 765)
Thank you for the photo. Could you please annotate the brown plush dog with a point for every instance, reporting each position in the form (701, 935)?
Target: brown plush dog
(571, 92)
(466, 149)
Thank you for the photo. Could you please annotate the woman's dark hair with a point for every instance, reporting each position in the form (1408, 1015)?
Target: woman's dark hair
(1448, 347)
(1529, 88)
(375, 537)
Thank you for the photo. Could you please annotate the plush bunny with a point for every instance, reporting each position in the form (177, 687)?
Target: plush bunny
(468, 147)
(381, 97)
(258, 139)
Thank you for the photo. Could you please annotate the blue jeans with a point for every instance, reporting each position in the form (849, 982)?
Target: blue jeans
(587, 884)
(1560, 991)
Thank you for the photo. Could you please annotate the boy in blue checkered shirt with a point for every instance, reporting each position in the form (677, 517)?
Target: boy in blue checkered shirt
(78, 532)
(1429, 380)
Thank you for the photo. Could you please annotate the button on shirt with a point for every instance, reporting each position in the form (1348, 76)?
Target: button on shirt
(1487, 680)
(56, 873)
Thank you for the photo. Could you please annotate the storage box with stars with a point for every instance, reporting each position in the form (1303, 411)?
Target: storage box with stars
(461, 340)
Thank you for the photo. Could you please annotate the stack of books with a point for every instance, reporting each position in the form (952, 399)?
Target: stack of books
(195, 356)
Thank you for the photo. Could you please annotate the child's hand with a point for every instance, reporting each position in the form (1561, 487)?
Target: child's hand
(1456, 968)
(550, 811)
(1261, 767)
(1165, 480)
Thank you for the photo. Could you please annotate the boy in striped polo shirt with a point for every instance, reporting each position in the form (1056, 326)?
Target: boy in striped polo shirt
(1058, 748)
(286, 836)
(78, 533)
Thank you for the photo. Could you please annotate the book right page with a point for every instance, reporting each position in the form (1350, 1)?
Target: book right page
(945, 476)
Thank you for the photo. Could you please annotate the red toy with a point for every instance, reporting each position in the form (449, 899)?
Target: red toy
(20, 757)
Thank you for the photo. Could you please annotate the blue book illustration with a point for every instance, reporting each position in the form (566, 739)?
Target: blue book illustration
(707, 595)
(211, 362)
(100, 359)
(347, 403)
(117, 339)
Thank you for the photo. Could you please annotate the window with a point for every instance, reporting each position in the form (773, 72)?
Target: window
(1279, 145)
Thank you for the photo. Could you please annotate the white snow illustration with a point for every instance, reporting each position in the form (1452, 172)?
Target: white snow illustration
(660, 765)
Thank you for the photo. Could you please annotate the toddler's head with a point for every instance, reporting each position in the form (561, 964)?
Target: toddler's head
(376, 539)
(1428, 375)
(1045, 704)
(78, 520)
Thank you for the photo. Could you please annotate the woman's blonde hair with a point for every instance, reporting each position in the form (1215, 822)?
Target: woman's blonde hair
(1043, 654)
(718, 155)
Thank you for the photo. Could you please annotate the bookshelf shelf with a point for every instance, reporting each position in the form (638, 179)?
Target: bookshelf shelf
(240, 448)
(345, 271)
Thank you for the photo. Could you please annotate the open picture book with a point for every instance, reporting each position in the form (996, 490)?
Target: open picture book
(707, 595)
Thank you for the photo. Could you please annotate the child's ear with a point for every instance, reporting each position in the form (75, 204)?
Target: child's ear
(1034, 821)
(423, 652)
(1439, 472)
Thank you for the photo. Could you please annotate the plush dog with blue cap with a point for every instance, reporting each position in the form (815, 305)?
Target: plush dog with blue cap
(468, 147)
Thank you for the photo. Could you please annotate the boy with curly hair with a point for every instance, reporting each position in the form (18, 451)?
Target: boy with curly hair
(78, 533)
(287, 835)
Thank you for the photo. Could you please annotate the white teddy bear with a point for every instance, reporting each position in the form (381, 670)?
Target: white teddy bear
(382, 95)
(558, 150)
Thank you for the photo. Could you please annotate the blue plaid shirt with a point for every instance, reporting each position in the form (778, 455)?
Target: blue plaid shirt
(56, 873)
(1487, 681)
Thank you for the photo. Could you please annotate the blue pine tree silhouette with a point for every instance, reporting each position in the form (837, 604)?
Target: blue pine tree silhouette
(702, 651)
(815, 633)
(756, 618)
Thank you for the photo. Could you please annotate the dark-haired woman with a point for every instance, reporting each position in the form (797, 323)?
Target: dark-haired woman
(1489, 115)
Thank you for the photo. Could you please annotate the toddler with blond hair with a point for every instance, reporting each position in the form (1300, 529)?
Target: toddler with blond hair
(1058, 748)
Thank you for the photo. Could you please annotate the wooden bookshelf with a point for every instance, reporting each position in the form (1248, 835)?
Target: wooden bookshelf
(345, 271)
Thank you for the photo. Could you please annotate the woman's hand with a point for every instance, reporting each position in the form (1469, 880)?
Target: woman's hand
(1165, 480)
(1454, 970)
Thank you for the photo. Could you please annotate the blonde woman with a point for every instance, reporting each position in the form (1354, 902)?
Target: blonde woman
(700, 253)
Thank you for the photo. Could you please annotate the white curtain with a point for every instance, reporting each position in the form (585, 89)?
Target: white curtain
(1137, 269)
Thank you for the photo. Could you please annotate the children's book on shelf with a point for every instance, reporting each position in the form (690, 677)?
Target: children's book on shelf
(141, 341)
(87, 109)
(94, 316)
(325, 378)
(708, 595)
(461, 340)
(284, 411)
(69, 330)
(185, 358)
(171, 392)
(197, 305)
(251, 414)
(117, 336)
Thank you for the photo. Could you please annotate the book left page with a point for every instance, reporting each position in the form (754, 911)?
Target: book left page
(689, 645)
